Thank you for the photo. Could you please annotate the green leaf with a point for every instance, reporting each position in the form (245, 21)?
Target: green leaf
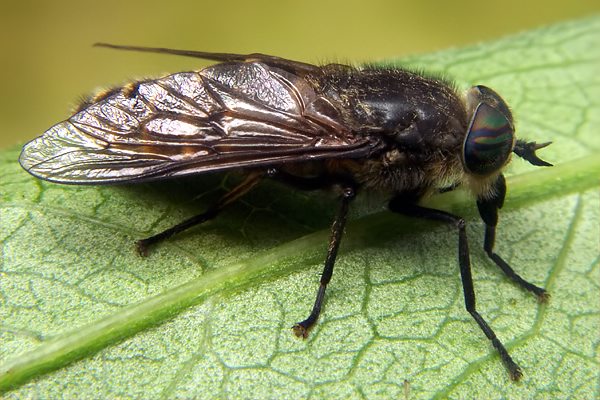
(208, 313)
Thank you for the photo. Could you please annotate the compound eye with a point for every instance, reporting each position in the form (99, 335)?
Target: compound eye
(489, 142)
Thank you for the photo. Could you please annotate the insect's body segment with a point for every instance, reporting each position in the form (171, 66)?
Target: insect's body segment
(420, 120)
(381, 129)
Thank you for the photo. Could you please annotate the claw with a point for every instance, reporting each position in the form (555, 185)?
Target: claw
(516, 375)
(544, 297)
(300, 331)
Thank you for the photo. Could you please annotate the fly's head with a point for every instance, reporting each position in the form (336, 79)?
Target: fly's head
(490, 138)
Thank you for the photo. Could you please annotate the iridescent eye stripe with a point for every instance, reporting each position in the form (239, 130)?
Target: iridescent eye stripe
(491, 141)
(493, 138)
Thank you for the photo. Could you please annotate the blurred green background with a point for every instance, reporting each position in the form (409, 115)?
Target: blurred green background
(48, 62)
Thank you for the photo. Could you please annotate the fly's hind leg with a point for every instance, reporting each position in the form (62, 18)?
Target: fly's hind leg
(244, 187)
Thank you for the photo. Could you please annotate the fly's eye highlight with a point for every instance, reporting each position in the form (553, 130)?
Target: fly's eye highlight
(489, 142)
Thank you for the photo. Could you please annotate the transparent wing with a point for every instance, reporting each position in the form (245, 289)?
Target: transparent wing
(226, 116)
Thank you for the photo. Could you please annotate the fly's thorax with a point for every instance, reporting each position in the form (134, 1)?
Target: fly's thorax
(434, 138)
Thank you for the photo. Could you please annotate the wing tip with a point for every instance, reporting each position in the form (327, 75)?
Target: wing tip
(27, 157)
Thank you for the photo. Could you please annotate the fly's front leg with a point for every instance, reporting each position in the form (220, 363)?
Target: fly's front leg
(244, 187)
(488, 209)
(399, 205)
(301, 329)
